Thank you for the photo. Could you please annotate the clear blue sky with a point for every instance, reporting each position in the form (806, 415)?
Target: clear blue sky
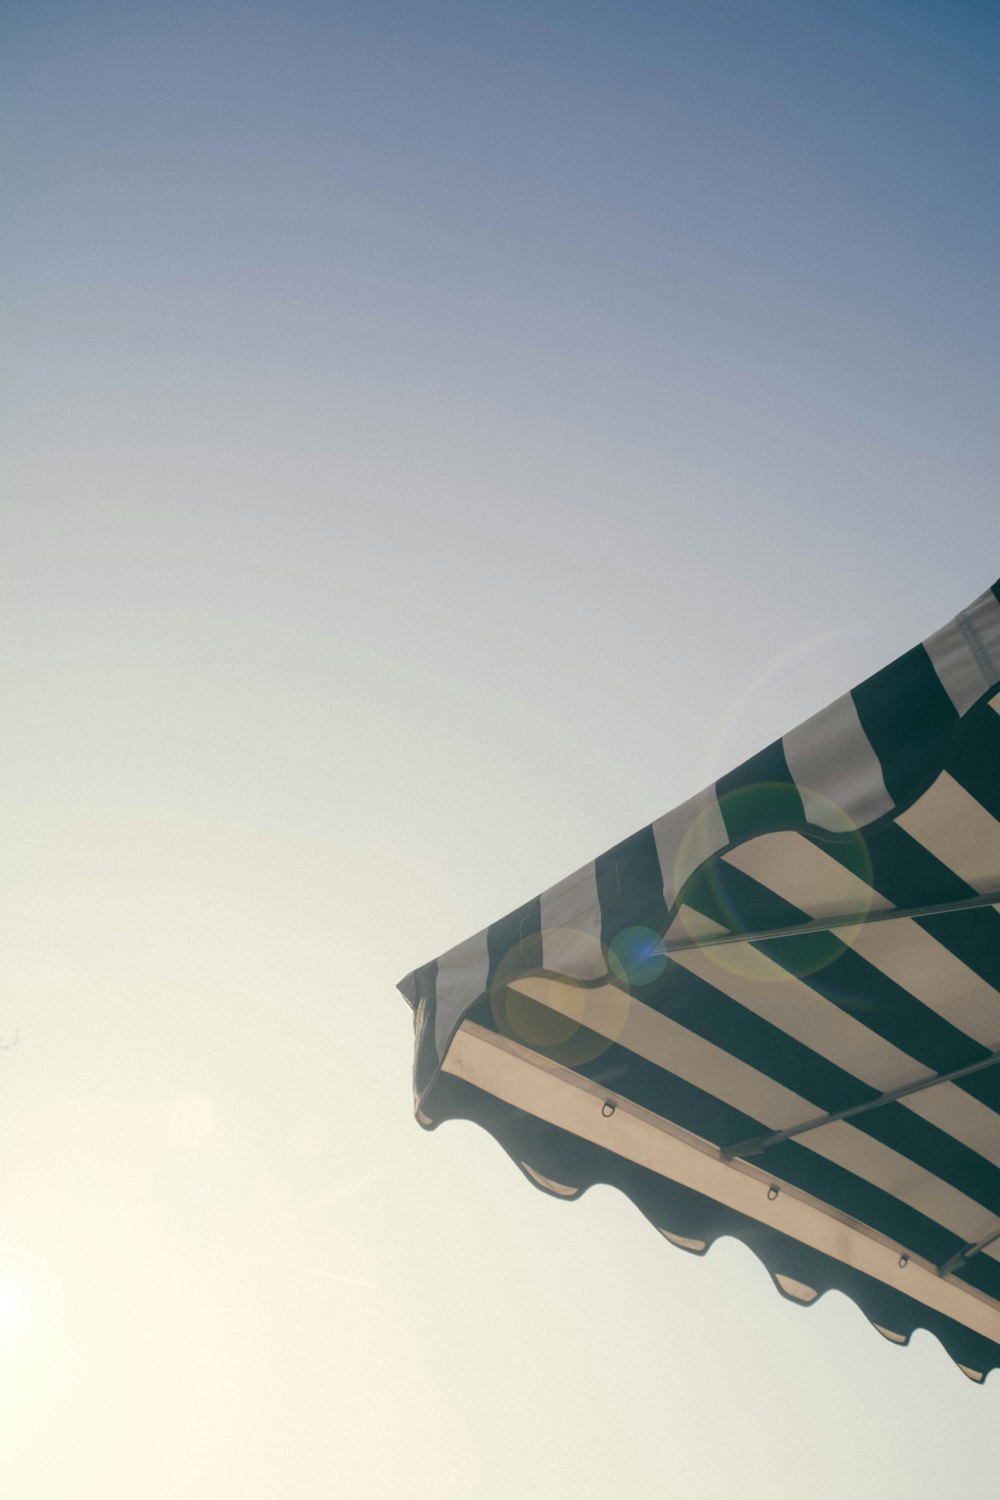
(439, 438)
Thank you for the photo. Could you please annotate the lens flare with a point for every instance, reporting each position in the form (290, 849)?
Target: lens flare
(636, 957)
(17, 1306)
(565, 1012)
(778, 871)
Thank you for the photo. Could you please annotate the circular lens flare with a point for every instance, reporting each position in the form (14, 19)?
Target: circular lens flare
(571, 1008)
(636, 957)
(17, 1306)
(754, 883)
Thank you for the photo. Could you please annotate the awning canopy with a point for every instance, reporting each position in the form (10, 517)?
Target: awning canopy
(774, 1013)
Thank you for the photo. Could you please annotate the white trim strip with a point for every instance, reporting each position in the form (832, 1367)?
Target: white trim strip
(620, 1017)
(554, 1094)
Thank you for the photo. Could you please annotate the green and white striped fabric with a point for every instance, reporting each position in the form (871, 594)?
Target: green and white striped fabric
(774, 1013)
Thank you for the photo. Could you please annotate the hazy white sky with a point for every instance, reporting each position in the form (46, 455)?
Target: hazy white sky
(440, 438)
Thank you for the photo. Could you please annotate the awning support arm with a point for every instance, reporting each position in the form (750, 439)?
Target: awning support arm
(830, 924)
(958, 1260)
(756, 1144)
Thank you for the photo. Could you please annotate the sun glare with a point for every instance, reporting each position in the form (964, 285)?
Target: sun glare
(19, 1305)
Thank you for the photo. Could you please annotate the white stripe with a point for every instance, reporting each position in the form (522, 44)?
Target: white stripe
(801, 873)
(647, 1033)
(836, 770)
(966, 652)
(686, 837)
(767, 990)
(575, 1104)
(917, 962)
(904, 1179)
(795, 1008)
(570, 898)
(958, 831)
(981, 625)
(613, 1013)
(960, 1115)
(957, 667)
(901, 950)
(805, 875)
(571, 926)
(461, 978)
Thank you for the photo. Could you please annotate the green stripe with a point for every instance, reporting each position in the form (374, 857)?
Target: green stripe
(760, 795)
(698, 1006)
(847, 980)
(907, 874)
(907, 716)
(974, 758)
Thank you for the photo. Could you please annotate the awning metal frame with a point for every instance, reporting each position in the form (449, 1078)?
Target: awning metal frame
(961, 1257)
(754, 1145)
(830, 924)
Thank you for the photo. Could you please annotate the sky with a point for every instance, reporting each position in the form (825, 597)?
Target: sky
(439, 439)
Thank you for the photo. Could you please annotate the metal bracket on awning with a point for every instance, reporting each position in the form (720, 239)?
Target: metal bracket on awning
(830, 924)
(758, 1143)
(959, 1259)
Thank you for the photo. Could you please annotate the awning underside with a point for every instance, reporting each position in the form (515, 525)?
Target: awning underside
(775, 1013)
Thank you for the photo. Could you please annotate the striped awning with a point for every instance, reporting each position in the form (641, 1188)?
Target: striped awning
(774, 1013)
